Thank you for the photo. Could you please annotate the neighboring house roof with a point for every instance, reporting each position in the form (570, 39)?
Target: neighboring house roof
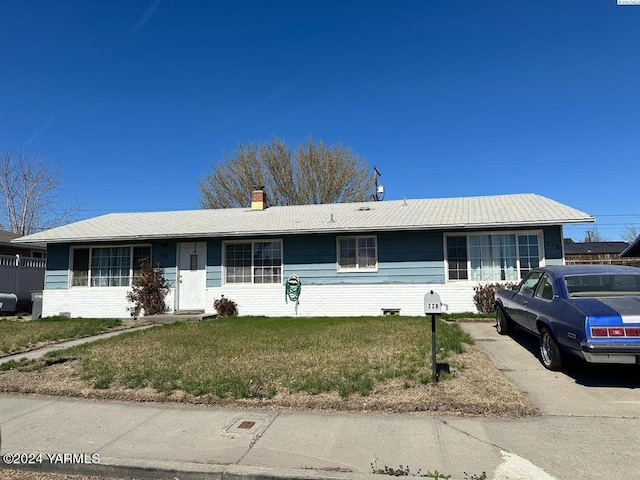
(632, 250)
(6, 239)
(594, 248)
(422, 214)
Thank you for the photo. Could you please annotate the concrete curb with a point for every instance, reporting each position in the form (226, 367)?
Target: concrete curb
(191, 471)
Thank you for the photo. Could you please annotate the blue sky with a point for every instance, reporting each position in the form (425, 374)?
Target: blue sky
(132, 101)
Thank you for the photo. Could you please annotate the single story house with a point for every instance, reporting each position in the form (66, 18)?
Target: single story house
(351, 258)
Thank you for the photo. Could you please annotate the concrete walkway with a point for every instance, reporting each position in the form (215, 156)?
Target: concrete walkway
(146, 322)
(39, 352)
(158, 441)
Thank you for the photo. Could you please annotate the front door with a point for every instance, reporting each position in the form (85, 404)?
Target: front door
(191, 275)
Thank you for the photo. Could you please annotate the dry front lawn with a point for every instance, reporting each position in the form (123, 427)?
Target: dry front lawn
(357, 364)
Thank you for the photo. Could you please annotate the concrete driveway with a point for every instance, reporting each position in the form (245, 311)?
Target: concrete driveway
(577, 390)
(590, 423)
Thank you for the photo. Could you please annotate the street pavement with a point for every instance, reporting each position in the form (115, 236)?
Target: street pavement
(590, 429)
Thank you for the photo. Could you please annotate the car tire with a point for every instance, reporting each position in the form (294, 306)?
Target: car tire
(502, 324)
(550, 354)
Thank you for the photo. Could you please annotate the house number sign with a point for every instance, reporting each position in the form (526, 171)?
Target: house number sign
(432, 303)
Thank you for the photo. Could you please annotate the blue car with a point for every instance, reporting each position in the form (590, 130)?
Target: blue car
(590, 311)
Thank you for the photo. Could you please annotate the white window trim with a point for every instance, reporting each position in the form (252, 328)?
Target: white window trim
(252, 242)
(91, 247)
(357, 269)
(541, 251)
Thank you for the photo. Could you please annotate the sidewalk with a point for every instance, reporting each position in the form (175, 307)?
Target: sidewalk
(193, 442)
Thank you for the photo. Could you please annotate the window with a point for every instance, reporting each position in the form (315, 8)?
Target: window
(593, 285)
(492, 257)
(545, 288)
(253, 262)
(529, 284)
(80, 267)
(357, 253)
(106, 266)
(528, 253)
(457, 255)
(139, 254)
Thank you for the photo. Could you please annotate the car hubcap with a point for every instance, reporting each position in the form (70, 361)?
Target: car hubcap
(545, 350)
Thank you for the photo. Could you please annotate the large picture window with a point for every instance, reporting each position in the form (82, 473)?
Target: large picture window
(253, 262)
(107, 266)
(492, 257)
(357, 253)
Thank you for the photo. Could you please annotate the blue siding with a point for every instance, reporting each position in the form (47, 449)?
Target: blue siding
(57, 274)
(165, 254)
(553, 244)
(214, 263)
(403, 257)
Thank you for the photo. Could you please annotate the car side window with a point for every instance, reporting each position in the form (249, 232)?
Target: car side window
(528, 285)
(545, 288)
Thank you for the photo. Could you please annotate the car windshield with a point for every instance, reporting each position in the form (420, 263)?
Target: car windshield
(603, 285)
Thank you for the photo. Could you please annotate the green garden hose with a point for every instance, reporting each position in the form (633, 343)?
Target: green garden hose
(293, 287)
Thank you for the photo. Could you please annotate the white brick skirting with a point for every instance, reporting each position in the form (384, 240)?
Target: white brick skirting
(93, 302)
(269, 300)
(343, 300)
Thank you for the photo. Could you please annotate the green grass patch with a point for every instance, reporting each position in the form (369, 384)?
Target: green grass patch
(16, 336)
(256, 357)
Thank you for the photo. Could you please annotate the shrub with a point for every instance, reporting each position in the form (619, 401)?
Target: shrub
(484, 298)
(225, 307)
(148, 290)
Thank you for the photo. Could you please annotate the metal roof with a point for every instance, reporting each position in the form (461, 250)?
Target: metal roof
(417, 214)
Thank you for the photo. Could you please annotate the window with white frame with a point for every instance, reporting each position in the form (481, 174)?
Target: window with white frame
(505, 257)
(357, 253)
(106, 266)
(253, 262)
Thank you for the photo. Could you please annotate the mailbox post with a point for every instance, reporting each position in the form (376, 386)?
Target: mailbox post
(433, 307)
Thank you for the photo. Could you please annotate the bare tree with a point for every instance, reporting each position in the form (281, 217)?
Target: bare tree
(315, 173)
(28, 188)
(630, 233)
(594, 235)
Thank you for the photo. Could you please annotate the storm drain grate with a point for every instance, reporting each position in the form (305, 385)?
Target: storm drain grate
(251, 425)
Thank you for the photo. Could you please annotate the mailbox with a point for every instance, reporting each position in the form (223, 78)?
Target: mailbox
(433, 307)
(432, 303)
(8, 302)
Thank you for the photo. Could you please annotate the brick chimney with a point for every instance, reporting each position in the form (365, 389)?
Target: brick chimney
(258, 199)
